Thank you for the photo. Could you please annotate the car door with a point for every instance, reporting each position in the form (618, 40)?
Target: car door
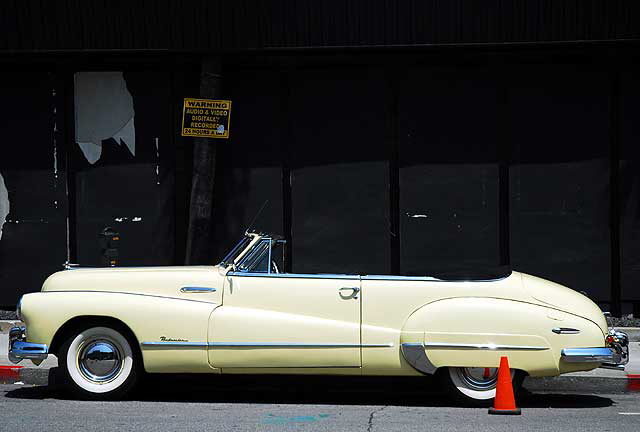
(286, 321)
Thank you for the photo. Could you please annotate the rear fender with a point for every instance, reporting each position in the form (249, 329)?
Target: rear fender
(476, 332)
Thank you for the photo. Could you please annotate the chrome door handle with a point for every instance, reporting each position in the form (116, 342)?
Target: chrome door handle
(354, 291)
(191, 289)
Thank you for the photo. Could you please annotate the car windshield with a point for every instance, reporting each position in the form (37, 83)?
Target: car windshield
(257, 260)
(237, 250)
(257, 253)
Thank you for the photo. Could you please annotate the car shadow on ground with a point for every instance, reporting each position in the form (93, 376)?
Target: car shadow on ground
(421, 392)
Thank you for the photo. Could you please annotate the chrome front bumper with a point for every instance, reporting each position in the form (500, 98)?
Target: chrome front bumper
(19, 349)
(614, 356)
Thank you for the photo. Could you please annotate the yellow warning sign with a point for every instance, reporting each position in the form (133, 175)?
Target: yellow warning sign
(206, 118)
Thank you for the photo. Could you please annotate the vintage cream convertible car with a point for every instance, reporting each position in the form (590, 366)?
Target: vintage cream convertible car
(243, 316)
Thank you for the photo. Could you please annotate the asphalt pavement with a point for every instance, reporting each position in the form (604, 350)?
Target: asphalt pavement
(176, 403)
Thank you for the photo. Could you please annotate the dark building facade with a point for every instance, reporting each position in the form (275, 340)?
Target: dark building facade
(388, 137)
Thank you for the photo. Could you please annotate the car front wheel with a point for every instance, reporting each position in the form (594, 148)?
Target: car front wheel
(475, 386)
(98, 363)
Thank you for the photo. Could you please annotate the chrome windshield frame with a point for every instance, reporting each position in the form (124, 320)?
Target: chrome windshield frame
(255, 255)
(236, 251)
(247, 250)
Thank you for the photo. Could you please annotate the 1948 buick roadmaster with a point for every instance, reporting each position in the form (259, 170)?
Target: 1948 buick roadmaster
(243, 316)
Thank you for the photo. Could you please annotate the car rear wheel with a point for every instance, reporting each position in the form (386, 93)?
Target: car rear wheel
(98, 363)
(475, 386)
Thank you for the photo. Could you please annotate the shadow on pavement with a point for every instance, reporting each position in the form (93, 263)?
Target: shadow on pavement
(311, 390)
(559, 400)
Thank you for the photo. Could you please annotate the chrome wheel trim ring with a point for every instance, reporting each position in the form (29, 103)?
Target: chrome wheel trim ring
(477, 378)
(100, 360)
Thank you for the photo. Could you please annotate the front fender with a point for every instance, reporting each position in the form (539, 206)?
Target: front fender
(150, 318)
(476, 332)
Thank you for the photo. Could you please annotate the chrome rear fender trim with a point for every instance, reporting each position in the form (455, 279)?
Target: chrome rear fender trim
(415, 353)
(489, 346)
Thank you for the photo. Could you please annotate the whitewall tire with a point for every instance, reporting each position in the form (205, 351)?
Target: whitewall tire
(98, 363)
(474, 386)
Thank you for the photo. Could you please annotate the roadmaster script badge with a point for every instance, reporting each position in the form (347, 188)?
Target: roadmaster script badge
(166, 339)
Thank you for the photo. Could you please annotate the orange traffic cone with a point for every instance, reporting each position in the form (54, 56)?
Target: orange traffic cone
(505, 402)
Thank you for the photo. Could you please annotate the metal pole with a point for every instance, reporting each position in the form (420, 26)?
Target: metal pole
(199, 234)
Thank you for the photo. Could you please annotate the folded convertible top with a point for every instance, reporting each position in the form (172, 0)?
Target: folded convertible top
(472, 273)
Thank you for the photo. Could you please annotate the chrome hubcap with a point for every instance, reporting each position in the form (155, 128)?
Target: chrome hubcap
(479, 378)
(100, 360)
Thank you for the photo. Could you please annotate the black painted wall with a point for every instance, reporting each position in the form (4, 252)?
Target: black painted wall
(32, 163)
(419, 164)
(59, 202)
(388, 137)
(628, 137)
(131, 193)
(372, 164)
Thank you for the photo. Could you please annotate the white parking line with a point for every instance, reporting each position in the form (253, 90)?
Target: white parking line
(629, 413)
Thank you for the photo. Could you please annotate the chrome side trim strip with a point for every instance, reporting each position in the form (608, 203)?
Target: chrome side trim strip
(427, 278)
(175, 344)
(565, 330)
(295, 275)
(401, 278)
(203, 300)
(262, 345)
(194, 289)
(357, 277)
(492, 347)
(410, 346)
(293, 345)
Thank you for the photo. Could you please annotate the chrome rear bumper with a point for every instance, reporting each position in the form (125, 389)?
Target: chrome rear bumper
(19, 349)
(614, 356)
(588, 355)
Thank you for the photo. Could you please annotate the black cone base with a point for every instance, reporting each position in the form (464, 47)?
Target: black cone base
(516, 411)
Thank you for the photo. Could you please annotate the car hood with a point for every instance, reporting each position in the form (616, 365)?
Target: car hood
(564, 299)
(144, 280)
